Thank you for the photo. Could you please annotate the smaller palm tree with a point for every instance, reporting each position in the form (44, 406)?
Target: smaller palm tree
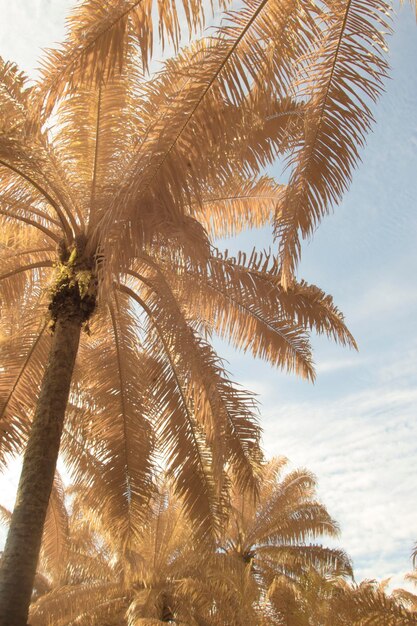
(305, 601)
(368, 603)
(408, 598)
(274, 534)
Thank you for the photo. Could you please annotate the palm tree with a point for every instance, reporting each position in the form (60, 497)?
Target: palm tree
(105, 581)
(306, 600)
(122, 174)
(368, 603)
(105, 197)
(86, 571)
(273, 537)
(408, 597)
(170, 573)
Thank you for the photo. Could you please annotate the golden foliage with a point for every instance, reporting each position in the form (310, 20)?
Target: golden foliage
(315, 600)
(274, 534)
(101, 35)
(140, 171)
(339, 80)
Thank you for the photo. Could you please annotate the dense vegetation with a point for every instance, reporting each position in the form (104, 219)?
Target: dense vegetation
(266, 566)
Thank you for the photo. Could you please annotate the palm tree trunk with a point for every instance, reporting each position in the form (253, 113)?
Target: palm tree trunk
(19, 561)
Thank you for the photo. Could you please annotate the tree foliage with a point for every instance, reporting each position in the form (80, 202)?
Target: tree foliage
(115, 179)
(104, 207)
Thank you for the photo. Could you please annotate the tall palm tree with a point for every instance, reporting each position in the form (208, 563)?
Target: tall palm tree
(108, 180)
(103, 229)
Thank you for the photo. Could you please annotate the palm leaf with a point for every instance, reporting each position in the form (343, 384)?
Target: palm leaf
(79, 602)
(343, 77)
(119, 432)
(23, 357)
(101, 37)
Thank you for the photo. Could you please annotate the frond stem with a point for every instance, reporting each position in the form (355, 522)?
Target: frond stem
(24, 366)
(30, 222)
(96, 149)
(336, 54)
(144, 306)
(62, 178)
(213, 79)
(26, 268)
(29, 207)
(76, 55)
(250, 311)
(22, 252)
(64, 223)
(122, 401)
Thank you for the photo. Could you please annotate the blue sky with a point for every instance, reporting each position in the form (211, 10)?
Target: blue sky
(356, 427)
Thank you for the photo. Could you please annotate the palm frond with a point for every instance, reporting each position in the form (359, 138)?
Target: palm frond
(289, 559)
(344, 76)
(259, 275)
(242, 204)
(368, 605)
(244, 311)
(118, 432)
(23, 357)
(79, 602)
(225, 413)
(181, 438)
(14, 97)
(26, 160)
(100, 37)
(5, 516)
(208, 74)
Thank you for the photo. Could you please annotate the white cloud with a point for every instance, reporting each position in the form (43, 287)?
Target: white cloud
(29, 26)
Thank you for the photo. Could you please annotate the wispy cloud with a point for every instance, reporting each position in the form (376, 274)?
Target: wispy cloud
(29, 26)
(334, 365)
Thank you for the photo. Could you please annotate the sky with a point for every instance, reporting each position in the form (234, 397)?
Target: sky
(356, 427)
